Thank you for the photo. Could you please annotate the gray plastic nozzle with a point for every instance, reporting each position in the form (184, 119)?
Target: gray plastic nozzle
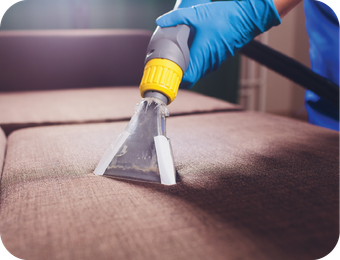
(156, 94)
(170, 43)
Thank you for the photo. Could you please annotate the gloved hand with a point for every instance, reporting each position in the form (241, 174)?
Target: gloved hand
(190, 3)
(221, 29)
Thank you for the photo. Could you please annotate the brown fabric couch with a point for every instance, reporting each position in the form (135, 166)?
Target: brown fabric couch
(250, 185)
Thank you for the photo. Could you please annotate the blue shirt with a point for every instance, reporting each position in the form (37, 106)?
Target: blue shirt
(323, 30)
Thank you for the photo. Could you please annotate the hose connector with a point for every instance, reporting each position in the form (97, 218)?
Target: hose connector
(161, 75)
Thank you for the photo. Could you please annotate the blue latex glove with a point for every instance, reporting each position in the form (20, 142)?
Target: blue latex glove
(221, 29)
(189, 3)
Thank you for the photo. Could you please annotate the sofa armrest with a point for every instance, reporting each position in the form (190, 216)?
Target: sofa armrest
(3, 141)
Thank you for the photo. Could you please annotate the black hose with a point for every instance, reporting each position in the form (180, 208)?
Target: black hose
(292, 70)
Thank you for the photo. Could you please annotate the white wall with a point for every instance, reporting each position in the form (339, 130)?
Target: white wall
(84, 14)
(282, 96)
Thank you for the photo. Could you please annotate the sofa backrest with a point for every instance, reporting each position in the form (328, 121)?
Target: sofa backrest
(59, 59)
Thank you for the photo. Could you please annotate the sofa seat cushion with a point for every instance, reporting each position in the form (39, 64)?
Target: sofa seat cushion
(3, 142)
(250, 186)
(35, 108)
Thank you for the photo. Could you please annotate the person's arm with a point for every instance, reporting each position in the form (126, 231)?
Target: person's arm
(283, 7)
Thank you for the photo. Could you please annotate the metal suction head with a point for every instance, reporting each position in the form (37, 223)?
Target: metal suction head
(142, 152)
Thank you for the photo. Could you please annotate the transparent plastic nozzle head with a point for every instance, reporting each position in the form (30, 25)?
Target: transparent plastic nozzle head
(142, 152)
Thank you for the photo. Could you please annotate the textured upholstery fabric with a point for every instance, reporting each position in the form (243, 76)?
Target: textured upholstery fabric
(250, 186)
(3, 141)
(55, 59)
(34, 108)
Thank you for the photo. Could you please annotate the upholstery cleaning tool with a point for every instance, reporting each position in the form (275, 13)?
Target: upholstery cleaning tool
(143, 152)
